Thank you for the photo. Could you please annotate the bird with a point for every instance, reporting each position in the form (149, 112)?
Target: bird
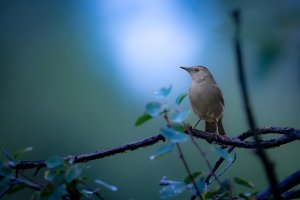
(206, 99)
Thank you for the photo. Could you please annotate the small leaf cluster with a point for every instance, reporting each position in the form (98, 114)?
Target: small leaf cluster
(62, 179)
(220, 192)
(65, 179)
(173, 131)
(159, 107)
(7, 173)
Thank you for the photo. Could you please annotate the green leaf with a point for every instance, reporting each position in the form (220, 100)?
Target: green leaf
(163, 92)
(188, 179)
(142, 119)
(180, 116)
(180, 98)
(21, 152)
(54, 161)
(174, 189)
(178, 127)
(73, 173)
(223, 153)
(173, 136)
(154, 108)
(244, 182)
(108, 186)
(163, 151)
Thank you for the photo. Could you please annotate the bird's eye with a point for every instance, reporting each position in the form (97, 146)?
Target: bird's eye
(196, 69)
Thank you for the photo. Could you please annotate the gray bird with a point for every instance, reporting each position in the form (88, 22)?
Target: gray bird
(206, 99)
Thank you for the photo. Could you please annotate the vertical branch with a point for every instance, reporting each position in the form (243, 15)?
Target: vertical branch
(205, 158)
(181, 156)
(217, 165)
(268, 166)
(188, 171)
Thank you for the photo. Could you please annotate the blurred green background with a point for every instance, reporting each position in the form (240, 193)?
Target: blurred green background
(75, 75)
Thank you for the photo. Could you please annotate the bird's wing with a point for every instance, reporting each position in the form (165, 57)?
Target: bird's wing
(218, 93)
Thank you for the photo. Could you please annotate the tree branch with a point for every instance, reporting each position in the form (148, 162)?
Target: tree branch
(187, 168)
(16, 181)
(293, 194)
(85, 157)
(267, 164)
(283, 186)
(13, 181)
(289, 135)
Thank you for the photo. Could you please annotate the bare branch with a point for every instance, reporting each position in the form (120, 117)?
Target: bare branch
(283, 186)
(289, 135)
(5, 152)
(188, 171)
(293, 194)
(223, 171)
(267, 164)
(29, 184)
(85, 157)
(203, 154)
(182, 158)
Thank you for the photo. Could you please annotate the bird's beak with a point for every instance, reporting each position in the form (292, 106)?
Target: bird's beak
(188, 69)
(185, 68)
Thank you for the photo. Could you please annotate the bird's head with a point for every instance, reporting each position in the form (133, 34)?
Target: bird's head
(197, 73)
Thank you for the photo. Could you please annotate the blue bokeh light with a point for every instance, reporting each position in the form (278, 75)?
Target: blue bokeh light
(149, 41)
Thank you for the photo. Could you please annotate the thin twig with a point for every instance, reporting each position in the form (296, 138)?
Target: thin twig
(89, 188)
(268, 165)
(166, 117)
(204, 157)
(5, 152)
(188, 171)
(224, 170)
(181, 156)
(29, 184)
(6, 191)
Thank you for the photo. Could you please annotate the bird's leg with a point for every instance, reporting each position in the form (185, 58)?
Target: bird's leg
(197, 123)
(186, 127)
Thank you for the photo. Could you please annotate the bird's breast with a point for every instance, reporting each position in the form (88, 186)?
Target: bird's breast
(205, 101)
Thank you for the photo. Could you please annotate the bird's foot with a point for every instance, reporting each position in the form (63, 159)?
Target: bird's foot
(187, 127)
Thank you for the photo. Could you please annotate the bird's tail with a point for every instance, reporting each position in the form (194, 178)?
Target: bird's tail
(221, 130)
(213, 127)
